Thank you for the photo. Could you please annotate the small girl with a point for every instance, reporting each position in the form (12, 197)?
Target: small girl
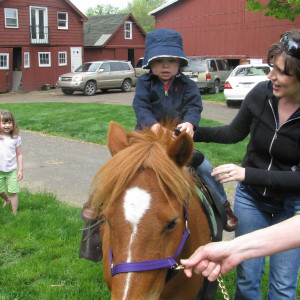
(11, 160)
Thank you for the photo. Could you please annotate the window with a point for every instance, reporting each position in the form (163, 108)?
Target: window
(222, 65)
(212, 67)
(62, 58)
(105, 67)
(11, 18)
(128, 30)
(115, 66)
(62, 20)
(44, 59)
(4, 61)
(26, 60)
(125, 66)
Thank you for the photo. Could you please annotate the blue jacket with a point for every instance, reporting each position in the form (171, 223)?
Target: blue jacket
(153, 104)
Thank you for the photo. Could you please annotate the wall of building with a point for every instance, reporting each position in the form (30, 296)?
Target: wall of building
(222, 28)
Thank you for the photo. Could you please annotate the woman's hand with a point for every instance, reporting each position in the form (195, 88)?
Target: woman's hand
(229, 172)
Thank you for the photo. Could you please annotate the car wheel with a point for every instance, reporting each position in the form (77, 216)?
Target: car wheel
(104, 90)
(67, 92)
(126, 86)
(90, 88)
(216, 88)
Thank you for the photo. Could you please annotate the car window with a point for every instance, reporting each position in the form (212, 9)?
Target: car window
(105, 67)
(88, 67)
(252, 71)
(195, 66)
(222, 65)
(212, 67)
(125, 66)
(115, 66)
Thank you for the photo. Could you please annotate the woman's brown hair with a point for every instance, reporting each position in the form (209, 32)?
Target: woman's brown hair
(292, 63)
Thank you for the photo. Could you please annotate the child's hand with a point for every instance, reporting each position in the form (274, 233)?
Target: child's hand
(20, 175)
(187, 127)
(155, 127)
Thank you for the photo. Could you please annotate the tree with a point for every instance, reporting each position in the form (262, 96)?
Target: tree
(102, 10)
(140, 10)
(280, 9)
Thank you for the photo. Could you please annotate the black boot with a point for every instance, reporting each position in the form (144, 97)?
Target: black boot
(91, 245)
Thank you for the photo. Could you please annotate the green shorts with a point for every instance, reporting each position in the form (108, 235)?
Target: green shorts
(9, 182)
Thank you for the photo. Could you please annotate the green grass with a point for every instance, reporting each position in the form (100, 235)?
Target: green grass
(39, 253)
(219, 98)
(89, 122)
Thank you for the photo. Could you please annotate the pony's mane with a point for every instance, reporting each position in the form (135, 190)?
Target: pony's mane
(147, 150)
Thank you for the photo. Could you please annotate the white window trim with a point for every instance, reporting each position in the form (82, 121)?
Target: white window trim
(67, 20)
(26, 65)
(7, 59)
(39, 57)
(17, 17)
(128, 30)
(66, 61)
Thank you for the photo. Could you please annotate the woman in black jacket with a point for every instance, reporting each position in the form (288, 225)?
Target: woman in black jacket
(268, 191)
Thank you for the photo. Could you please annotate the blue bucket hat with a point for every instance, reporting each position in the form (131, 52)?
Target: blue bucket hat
(164, 43)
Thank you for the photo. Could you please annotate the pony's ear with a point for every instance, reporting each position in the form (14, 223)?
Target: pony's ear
(181, 150)
(117, 138)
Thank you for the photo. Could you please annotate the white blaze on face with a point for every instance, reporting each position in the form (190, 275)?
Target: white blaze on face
(136, 203)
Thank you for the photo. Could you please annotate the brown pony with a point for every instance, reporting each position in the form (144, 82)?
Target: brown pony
(142, 192)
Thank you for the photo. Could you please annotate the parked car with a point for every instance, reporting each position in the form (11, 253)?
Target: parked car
(242, 79)
(103, 75)
(209, 73)
(138, 68)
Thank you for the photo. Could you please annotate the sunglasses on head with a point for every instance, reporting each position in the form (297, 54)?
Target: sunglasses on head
(290, 46)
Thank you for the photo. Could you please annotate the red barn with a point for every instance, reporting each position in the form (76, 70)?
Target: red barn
(116, 36)
(40, 40)
(222, 28)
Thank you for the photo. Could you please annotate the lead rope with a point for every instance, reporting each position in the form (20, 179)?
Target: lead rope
(219, 279)
(223, 287)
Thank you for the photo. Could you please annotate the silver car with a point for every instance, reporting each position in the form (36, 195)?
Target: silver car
(103, 75)
(209, 73)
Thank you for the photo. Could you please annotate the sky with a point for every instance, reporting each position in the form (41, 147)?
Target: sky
(83, 5)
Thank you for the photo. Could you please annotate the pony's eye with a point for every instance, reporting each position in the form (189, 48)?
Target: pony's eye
(171, 225)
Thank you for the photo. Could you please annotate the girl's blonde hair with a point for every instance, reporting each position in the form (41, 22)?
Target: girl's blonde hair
(6, 116)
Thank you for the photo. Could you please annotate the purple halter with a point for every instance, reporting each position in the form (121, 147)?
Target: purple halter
(148, 265)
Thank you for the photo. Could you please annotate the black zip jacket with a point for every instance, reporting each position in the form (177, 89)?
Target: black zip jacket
(272, 160)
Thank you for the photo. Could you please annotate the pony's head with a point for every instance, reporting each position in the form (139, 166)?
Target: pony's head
(141, 192)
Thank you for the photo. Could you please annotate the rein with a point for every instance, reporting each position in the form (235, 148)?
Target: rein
(148, 265)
